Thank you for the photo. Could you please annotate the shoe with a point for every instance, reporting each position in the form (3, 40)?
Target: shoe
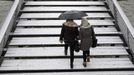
(88, 59)
(85, 64)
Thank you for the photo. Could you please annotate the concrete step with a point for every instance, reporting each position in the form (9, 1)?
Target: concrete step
(62, 65)
(64, 3)
(58, 52)
(63, 9)
(54, 41)
(78, 73)
(58, 23)
(46, 16)
(56, 31)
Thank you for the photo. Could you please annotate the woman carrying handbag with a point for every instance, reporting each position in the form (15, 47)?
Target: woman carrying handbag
(86, 36)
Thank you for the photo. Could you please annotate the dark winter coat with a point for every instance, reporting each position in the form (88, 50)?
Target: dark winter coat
(69, 33)
(86, 36)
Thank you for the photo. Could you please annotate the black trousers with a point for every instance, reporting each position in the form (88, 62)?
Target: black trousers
(66, 48)
(71, 45)
(85, 55)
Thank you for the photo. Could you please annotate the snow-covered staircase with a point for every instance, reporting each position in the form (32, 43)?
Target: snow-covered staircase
(34, 48)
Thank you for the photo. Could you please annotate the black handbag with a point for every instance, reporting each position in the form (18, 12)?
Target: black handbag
(76, 46)
(94, 44)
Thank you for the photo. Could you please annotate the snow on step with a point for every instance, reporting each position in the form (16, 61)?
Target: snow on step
(59, 51)
(80, 8)
(59, 22)
(78, 73)
(56, 15)
(58, 64)
(55, 40)
(56, 31)
(64, 3)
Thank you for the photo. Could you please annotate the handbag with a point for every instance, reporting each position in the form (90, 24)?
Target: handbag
(94, 40)
(94, 44)
(76, 46)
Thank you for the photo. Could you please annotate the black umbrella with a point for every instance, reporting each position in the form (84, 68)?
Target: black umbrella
(73, 14)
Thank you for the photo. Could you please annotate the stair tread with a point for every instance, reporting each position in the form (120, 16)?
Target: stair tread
(35, 9)
(56, 31)
(64, 3)
(59, 22)
(58, 64)
(55, 40)
(56, 15)
(59, 51)
(78, 73)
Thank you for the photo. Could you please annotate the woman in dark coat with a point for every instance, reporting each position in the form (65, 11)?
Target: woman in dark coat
(69, 33)
(86, 36)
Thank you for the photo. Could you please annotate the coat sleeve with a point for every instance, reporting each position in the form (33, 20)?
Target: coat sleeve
(62, 33)
(80, 34)
(77, 33)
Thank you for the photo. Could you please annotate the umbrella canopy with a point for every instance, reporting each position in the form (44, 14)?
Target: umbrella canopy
(73, 14)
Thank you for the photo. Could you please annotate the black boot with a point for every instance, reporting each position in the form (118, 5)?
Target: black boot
(66, 49)
(85, 64)
(71, 65)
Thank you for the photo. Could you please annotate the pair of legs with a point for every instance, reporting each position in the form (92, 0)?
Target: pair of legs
(86, 58)
(71, 45)
(85, 55)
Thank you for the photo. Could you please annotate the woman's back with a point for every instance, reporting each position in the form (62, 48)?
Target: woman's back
(86, 33)
(85, 36)
(69, 31)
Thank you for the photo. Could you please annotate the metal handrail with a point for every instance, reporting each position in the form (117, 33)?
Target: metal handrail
(8, 23)
(129, 25)
(124, 25)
